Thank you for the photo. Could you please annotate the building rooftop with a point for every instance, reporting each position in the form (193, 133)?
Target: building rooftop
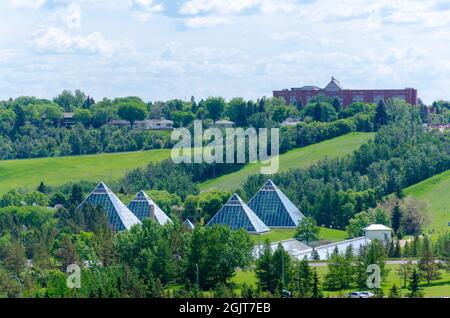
(377, 227)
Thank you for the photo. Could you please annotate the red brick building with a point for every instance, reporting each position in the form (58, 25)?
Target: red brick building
(346, 96)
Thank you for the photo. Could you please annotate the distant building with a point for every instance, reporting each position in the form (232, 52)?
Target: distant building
(223, 124)
(237, 215)
(345, 96)
(273, 207)
(148, 124)
(68, 120)
(378, 232)
(144, 207)
(440, 127)
(120, 218)
(291, 122)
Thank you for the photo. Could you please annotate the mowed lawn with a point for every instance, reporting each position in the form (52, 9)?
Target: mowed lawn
(27, 174)
(297, 158)
(437, 288)
(436, 191)
(277, 235)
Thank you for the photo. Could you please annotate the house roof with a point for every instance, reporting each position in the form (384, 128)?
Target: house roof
(377, 227)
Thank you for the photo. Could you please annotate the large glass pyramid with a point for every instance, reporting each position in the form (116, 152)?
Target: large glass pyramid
(144, 207)
(120, 218)
(236, 214)
(274, 208)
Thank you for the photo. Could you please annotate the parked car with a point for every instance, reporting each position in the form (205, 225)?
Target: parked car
(361, 294)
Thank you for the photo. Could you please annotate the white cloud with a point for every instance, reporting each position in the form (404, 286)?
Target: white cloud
(27, 4)
(55, 40)
(145, 9)
(208, 21)
(195, 7)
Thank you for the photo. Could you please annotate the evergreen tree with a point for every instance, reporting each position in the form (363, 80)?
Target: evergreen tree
(262, 105)
(316, 292)
(394, 292)
(304, 279)
(381, 116)
(414, 288)
(42, 188)
(76, 195)
(397, 249)
(396, 217)
(337, 105)
(264, 269)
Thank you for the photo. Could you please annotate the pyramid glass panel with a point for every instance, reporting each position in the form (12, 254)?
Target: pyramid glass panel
(236, 214)
(188, 224)
(144, 207)
(120, 218)
(273, 207)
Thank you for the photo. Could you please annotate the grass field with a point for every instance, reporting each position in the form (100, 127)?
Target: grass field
(437, 288)
(29, 173)
(297, 158)
(277, 235)
(436, 191)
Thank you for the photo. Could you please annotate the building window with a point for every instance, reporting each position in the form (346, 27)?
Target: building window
(292, 100)
(358, 98)
(378, 98)
(401, 97)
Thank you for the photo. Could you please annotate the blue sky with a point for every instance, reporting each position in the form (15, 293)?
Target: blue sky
(161, 49)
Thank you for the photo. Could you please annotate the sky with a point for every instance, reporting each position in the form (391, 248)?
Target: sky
(165, 49)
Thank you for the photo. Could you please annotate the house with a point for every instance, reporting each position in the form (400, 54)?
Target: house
(378, 232)
(68, 120)
(334, 89)
(148, 124)
(223, 124)
(291, 121)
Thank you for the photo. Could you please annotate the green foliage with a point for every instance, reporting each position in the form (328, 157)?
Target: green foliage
(215, 253)
(131, 110)
(307, 230)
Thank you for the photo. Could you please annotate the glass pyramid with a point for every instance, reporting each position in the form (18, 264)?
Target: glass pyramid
(188, 224)
(144, 207)
(236, 214)
(274, 208)
(120, 218)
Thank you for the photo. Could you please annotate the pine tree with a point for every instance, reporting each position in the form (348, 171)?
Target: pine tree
(396, 217)
(414, 289)
(337, 105)
(42, 188)
(304, 279)
(397, 249)
(394, 292)
(264, 269)
(316, 292)
(381, 116)
(76, 196)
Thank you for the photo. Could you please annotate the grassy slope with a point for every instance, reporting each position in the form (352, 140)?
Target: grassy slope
(56, 171)
(436, 191)
(277, 235)
(437, 288)
(297, 158)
